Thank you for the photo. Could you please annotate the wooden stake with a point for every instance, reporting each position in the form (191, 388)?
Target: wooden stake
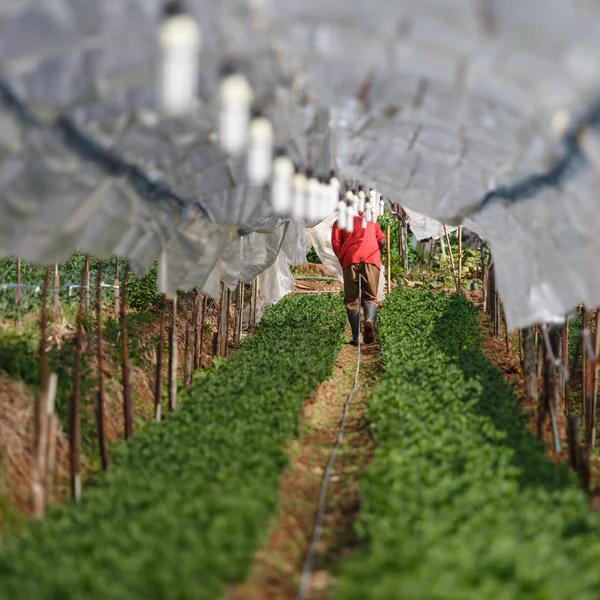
(52, 434)
(389, 263)
(56, 300)
(202, 323)
(74, 425)
(565, 356)
(188, 360)
(196, 332)
(451, 256)
(99, 358)
(584, 373)
(227, 310)
(459, 289)
(18, 288)
(506, 330)
(255, 303)
(159, 361)
(594, 383)
(86, 283)
(173, 356)
(127, 401)
(116, 288)
(43, 356)
(529, 366)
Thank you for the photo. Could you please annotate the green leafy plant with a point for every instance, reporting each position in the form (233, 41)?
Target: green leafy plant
(460, 502)
(185, 503)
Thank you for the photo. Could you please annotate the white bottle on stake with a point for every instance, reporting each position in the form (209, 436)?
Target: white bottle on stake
(350, 214)
(234, 116)
(299, 185)
(281, 191)
(313, 193)
(260, 150)
(381, 206)
(342, 219)
(361, 199)
(179, 42)
(334, 193)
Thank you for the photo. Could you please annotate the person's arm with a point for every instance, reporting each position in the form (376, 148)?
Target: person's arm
(336, 240)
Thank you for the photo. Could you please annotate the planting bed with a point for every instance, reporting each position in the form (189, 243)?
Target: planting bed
(186, 503)
(459, 502)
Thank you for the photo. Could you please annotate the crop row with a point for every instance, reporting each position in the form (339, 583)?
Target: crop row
(459, 502)
(186, 503)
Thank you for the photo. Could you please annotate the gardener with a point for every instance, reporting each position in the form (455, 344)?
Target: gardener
(359, 253)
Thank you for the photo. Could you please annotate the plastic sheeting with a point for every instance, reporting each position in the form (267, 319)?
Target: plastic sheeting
(435, 102)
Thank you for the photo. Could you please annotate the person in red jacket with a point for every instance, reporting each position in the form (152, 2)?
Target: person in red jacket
(359, 254)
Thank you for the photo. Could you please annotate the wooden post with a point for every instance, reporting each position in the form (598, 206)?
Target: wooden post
(215, 343)
(196, 332)
(99, 358)
(74, 425)
(43, 459)
(529, 366)
(222, 321)
(593, 384)
(388, 254)
(127, 401)
(116, 287)
(189, 357)
(227, 310)
(50, 462)
(159, 361)
(459, 281)
(86, 283)
(565, 356)
(255, 302)
(202, 324)
(43, 355)
(18, 288)
(506, 329)
(173, 356)
(56, 298)
(578, 455)
(451, 256)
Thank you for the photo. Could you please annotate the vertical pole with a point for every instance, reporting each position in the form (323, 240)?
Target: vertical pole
(227, 322)
(86, 283)
(565, 356)
(241, 323)
(173, 356)
(389, 265)
(521, 348)
(100, 395)
(116, 288)
(50, 462)
(202, 323)
(159, 361)
(189, 357)
(506, 329)
(222, 321)
(584, 370)
(18, 288)
(43, 354)
(127, 404)
(196, 332)
(594, 380)
(529, 366)
(255, 302)
(55, 301)
(451, 256)
(74, 425)
(459, 290)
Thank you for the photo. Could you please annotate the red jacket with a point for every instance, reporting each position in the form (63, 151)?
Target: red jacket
(362, 245)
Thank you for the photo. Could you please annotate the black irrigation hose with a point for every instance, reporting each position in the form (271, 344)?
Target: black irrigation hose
(307, 569)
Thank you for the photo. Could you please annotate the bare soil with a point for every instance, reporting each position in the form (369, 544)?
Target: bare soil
(277, 566)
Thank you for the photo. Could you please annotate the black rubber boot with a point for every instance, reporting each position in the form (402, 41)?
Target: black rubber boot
(370, 309)
(354, 318)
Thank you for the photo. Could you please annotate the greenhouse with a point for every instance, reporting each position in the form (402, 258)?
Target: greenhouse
(299, 299)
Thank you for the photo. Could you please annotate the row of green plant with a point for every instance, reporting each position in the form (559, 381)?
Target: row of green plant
(186, 503)
(460, 502)
(141, 292)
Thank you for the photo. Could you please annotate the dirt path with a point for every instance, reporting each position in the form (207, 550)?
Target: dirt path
(277, 566)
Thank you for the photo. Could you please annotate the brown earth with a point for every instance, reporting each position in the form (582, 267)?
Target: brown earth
(277, 566)
(17, 399)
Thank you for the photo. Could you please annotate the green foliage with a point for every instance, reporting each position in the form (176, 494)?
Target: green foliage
(312, 257)
(142, 293)
(459, 502)
(185, 503)
(19, 360)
